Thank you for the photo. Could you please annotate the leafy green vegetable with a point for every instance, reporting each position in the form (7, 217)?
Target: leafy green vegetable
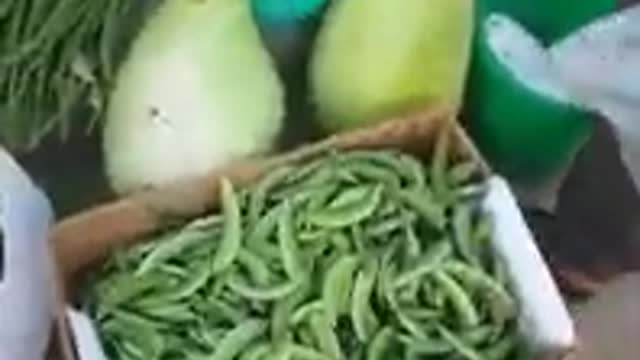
(56, 63)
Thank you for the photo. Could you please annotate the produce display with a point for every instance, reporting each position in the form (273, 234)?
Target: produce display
(353, 255)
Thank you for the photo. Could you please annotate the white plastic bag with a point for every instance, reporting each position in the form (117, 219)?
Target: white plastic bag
(26, 292)
(600, 65)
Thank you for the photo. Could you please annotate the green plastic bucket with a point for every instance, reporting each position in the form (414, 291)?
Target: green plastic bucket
(526, 137)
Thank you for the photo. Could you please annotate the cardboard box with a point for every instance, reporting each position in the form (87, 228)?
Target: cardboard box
(84, 240)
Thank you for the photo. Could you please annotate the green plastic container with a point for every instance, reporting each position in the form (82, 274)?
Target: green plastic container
(526, 136)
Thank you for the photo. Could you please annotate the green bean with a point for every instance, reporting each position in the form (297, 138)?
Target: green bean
(313, 252)
(405, 321)
(314, 236)
(428, 263)
(389, 207)
(173, 313)
(219, 284)
(314, 196)
(397, 164)
(299, 352)
(263, 293)
(504, 305)
(232, 237)
(415, 170)
(501, 349)
(305, 311)
(410, 325)
(304, 335)
(207, 337)
(132, 350)
(264, 226)
(463, 349)
(462, 172)
(363, 317)
(413, 243)
(256, 352)
(381, 344)
(258, 238)
(116, 349)
(194, 282)
(350, 195)
(358, 239)
(439, 165)
(220, 308)
(106, 41)
(322, 175)
(257, 269)
(283, 312)
(346, 177)
(462, 222)
(409, 294)
(173, 270)
(350, 213)
(337, 287)
(171, 246)
(386, 226)
(341, 242)
(123, 287)
(469, 192)
(462, 304)
(261, 190)
(321, 195)
(237, 339)
(424, 206)
(304, 172)
(477, 335)
(128, 319)
(424, 347)
(499, 271)
(422, 314)
(482, 232)
(326, 338)
(289, 244)
(386, 272)
(5, 8)
(368, 171)
(280, 321)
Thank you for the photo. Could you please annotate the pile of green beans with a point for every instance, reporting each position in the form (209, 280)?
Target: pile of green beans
(58, 60)
(355, 255)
